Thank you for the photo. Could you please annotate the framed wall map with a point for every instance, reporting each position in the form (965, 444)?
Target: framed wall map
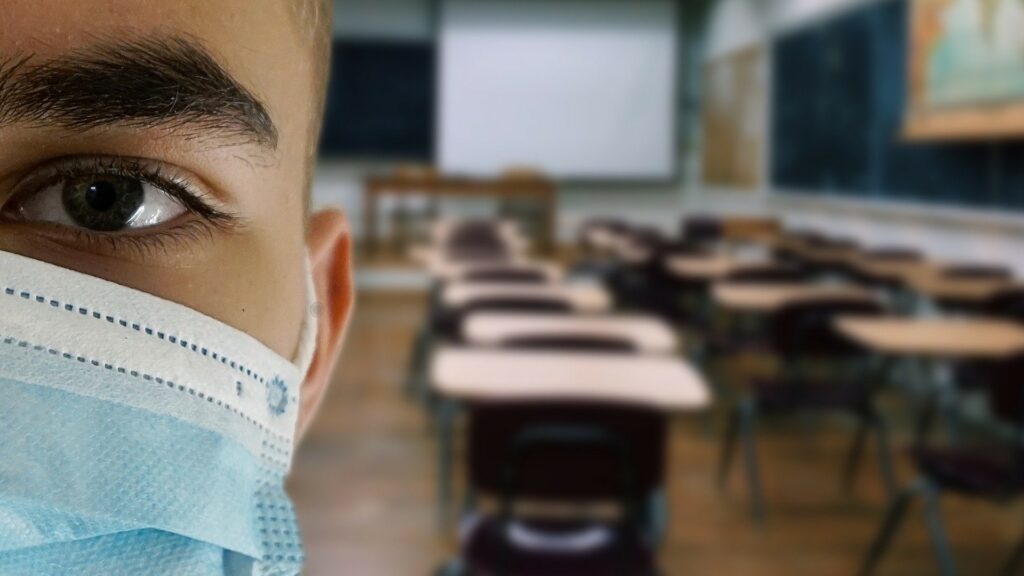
(966, 69)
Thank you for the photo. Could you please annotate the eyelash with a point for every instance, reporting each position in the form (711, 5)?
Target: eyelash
(150, 172)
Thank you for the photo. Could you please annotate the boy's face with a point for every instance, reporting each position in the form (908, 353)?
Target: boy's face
(109, 109)
(112, 128)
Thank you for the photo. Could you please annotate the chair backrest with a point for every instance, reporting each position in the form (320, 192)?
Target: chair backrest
(566, 452)
(702, 229)
(769, 275)
(506, 276)
(1008, 305)
(808, 329)
(450, 324)
(895, 254)
(475, 235)
(478, 254)
(977, 272)
(571, 342)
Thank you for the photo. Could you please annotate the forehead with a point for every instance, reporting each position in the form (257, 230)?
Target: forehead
(257, 41)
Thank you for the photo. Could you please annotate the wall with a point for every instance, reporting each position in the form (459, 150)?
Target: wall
(340, 183)
(944, 233)
(401, 19)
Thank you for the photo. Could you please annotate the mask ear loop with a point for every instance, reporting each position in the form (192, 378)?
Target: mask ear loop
(310, 324)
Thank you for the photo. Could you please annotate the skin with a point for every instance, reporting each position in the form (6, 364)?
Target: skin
(249, 275)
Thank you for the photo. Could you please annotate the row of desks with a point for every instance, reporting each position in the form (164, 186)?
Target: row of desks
(657, 377)
(923, 277)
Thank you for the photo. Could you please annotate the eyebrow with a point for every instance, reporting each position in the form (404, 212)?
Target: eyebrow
(172, 83)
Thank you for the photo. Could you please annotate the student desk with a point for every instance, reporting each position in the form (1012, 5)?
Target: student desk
(937, 341)
(768, 298)
(647, 333)
(891, 270)
(582, 297)
(818, 254)
(467, 375)
(933, 285)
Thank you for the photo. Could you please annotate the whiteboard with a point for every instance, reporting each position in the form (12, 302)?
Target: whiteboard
(581, 89)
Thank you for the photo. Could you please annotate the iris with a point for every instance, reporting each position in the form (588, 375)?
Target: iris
(105, 204)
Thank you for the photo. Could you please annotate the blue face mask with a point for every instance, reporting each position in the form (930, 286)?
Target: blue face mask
(138, 436)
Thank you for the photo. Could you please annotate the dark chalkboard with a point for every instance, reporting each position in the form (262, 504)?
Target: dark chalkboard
(838, 101)
(380, 101)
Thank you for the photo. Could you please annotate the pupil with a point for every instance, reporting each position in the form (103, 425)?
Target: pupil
(105, 204)
(101, 195)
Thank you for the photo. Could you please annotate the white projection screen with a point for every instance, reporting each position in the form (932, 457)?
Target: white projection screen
(581, 89)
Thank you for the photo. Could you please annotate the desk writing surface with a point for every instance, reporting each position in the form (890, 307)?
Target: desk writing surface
(766, 298)
(893, 270)
(715, 266)
(952, 338)
(584, 297)
(659, 382)
(936, 286)
(647, 333)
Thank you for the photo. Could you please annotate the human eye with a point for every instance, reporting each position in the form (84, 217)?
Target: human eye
(113, 198)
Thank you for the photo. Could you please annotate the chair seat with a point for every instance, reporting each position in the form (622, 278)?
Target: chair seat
(552, 548)
(793, 395)
(989, 473)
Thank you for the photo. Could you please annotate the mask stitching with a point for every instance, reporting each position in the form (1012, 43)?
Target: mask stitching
(203, 351)
(150, 378)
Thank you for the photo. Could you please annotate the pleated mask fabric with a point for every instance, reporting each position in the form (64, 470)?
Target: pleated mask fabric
(138, 436)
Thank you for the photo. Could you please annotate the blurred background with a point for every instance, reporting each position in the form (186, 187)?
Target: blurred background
(767, 252)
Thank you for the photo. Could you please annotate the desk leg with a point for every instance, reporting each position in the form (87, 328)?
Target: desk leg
(445, 443)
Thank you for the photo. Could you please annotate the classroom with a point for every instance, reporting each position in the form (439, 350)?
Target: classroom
(763, 255)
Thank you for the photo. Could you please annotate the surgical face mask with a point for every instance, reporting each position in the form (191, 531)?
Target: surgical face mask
(138, 436)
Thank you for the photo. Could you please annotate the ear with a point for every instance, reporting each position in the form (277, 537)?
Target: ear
(330, 253)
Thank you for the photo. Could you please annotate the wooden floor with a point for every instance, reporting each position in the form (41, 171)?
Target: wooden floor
(364, 485)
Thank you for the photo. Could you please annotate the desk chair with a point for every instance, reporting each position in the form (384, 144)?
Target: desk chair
(561, 453)
(994, 473)
(629, 281)
(804, 336)
(889, 255)
(979, 272)
(661, 292)
(720, 343)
